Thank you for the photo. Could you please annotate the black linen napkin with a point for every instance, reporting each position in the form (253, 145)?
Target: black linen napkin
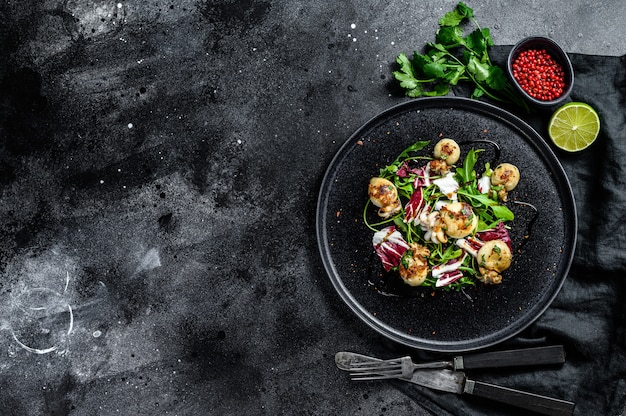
(588, 316)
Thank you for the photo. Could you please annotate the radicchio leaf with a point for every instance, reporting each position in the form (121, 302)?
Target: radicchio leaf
(448, 267)
(414, 206)
(389, 245)
(448, 278)
(498, 233)
(405, 170)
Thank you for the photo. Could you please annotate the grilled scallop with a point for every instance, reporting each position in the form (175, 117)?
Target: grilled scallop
(505, 174)
(384, 195)
(448, 150)
(493, 257)
(413, 267)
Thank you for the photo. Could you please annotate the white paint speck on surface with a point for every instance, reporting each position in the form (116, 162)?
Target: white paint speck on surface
(353, 26)
(130, 125)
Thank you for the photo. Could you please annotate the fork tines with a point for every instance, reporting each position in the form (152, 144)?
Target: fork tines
(378, 370)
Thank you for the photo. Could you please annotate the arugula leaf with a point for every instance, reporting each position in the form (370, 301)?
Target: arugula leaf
(393, 167)
(467, 172)
(502, 212)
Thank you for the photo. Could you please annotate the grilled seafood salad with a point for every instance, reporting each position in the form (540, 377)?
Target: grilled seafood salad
(441, 225)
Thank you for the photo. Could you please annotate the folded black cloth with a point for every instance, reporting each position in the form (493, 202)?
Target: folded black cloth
(589, 315)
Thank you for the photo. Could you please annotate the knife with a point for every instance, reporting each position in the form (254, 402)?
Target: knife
(553, 354)
(456, 382)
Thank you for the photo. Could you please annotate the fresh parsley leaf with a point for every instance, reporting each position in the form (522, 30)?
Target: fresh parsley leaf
(439, 90)
(434, 70)
(477, 93)
(406, 81)
(497, 78)
(450, 36)
(478, 41)
(480, 70)
(454, 58)
(405, 64)
(455, 75)
(456, 16)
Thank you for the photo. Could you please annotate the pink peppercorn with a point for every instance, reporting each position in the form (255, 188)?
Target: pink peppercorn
(539, 74)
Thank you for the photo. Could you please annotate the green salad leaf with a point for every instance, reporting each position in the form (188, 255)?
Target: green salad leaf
(453, 58)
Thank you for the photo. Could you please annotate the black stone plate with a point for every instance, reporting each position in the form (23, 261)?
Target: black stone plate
(544, 237)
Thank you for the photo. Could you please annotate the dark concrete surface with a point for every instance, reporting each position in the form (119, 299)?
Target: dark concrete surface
(159, 169)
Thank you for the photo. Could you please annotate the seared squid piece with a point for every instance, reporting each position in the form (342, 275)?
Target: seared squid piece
(493, 257)
(413, 267)
(448, 150)
(458, 219)
(506, 175)
(432, 226)
(384, 195)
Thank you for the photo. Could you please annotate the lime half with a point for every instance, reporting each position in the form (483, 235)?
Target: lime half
(574, 126)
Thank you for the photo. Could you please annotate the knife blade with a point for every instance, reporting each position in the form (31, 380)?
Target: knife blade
(456, 382)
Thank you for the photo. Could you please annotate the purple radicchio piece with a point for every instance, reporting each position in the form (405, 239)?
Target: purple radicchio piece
(414, 206)
(390, 245)
(498, 233)
(470, 244)
(449, 272)
(405, 170)
(423, 177)
(448, 278)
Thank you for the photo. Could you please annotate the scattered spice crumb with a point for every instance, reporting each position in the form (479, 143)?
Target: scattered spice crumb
(338, 213)
(360, 142)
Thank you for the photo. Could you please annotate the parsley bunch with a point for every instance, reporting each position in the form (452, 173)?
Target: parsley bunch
(453, 58)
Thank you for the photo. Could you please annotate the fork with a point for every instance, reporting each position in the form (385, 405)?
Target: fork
(403, 367)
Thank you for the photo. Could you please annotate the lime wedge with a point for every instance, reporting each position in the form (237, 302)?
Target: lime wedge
(574, 126)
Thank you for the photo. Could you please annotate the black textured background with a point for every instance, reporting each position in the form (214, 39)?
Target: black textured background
(159, 168)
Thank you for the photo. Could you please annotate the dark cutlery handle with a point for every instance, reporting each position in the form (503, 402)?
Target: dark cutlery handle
(553, 354)
(529, 401)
